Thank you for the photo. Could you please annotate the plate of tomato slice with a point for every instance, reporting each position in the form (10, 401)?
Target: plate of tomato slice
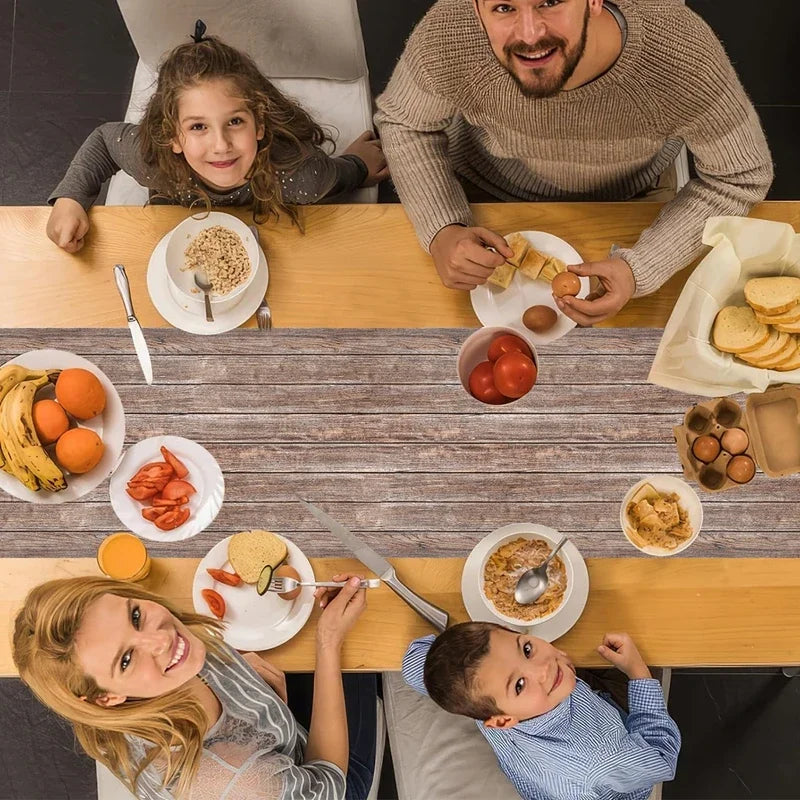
(167, 488)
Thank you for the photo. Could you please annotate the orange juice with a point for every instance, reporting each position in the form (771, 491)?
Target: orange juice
(124, 557)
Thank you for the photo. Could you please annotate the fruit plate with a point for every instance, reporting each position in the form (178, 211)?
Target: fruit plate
(494, 305)
(109, 426)
(255, 622)
(204, 474)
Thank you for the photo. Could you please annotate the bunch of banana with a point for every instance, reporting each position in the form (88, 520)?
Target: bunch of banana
(20, 448)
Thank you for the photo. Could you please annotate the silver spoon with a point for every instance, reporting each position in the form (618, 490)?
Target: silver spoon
(533, 583)
(201, 279)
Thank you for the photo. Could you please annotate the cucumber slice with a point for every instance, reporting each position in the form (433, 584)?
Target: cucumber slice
(264, 579)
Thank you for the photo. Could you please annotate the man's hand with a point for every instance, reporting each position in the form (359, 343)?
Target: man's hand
(619, 650)
(461, 257)
(616, 287)
(270, 673)
(368, 148)
(68, 224)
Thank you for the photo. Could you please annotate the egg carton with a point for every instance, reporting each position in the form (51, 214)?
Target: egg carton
(771, 421)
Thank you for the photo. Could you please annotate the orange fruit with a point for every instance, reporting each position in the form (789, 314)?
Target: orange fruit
(80, 393)
(49, 420)
(79, 450)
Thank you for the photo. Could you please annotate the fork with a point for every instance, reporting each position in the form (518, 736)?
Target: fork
(282, 585)
(263, 312)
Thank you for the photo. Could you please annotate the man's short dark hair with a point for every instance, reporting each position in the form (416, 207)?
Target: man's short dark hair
(451, 666)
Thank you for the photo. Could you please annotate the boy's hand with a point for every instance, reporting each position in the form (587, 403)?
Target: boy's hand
(270, 673)
(368, 148)
(341, 608)
(68, 224)
(619, 650)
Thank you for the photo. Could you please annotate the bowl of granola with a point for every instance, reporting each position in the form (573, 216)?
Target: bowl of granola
(224, 248)
(506, 561)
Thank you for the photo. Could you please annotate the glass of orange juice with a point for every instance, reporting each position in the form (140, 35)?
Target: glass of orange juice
(124, 557)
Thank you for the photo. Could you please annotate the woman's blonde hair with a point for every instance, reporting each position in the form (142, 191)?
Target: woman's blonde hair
(173, 724)
(289, 131)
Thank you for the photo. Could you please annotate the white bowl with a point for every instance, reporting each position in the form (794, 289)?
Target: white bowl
(181, 282)
(475, 348)
(666, 484)
(552, 537)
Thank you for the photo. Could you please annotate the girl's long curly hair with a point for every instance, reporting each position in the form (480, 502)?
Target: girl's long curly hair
(289, 131)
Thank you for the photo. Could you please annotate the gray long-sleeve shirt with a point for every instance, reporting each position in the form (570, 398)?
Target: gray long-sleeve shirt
(115, 145)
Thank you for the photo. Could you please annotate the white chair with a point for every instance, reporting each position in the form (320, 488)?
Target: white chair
(312, 51)
(110, 787)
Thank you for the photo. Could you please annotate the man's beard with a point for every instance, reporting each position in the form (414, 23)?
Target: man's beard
(546, 85)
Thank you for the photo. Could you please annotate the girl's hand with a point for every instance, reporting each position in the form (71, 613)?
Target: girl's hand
(68, 224)
(271, 674)
(368, 148)
(341, 608)
(619, 650)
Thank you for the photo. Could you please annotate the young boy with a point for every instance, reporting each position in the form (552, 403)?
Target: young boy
(553, 736)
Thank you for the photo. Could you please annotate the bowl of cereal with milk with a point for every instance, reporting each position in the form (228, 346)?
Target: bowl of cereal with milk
(221, 245)
(505, 563)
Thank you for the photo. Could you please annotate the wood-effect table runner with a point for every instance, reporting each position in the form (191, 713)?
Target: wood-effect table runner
(374, 426)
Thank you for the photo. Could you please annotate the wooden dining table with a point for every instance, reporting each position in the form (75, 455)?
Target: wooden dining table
(357, 406)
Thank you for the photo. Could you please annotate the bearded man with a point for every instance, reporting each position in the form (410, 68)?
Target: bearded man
(568, 100)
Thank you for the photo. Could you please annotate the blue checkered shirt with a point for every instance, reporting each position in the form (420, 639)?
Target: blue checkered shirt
(583, 749)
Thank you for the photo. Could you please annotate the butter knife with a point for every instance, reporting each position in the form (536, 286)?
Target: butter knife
(139, 344)
(382, 568)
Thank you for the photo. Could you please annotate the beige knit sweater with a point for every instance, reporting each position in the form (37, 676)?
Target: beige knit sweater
(450, 109)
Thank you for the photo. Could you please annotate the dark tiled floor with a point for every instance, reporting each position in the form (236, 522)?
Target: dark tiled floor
(739, 737)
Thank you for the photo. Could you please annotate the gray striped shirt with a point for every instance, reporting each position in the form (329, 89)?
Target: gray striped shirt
(255, 749)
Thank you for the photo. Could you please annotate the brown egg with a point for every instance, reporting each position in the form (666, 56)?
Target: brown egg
(566, 283)
(80, 393)
(741, 469)
(285, 571)
(49, 420)
(735, 441)
(539, 318)
(706, 448)
(79, 450)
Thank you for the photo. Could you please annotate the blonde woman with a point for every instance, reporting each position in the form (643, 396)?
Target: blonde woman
(157, 696)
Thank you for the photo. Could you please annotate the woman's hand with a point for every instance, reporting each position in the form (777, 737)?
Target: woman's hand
(271, 674)
(68, 224)
(368, 148)
(341, 608)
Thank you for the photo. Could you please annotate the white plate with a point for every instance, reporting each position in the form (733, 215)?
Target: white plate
(109, 426)
(494, 305)
(204, 474)
(180, 316)
(255, 622)
(562, 619)
(666, 484)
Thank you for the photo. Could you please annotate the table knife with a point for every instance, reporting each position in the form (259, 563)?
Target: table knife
(382, 568)
(139, 344)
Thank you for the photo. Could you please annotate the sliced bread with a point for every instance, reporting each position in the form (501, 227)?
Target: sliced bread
(774, 295)
(519, 244)
(250, 551)
(791, 363)
(775, 342)
(551, 268)
(789, 327)
(787, 351)
(792, 315)
(503, 275)
(532, 264)
(736, 329)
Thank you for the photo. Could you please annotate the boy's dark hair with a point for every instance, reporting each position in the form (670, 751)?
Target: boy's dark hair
(451, 666)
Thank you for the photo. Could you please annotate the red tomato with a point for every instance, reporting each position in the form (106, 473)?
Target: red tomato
(228, 578)
(154, 471)
(514, 374)
(141, 492)
(215, 602)
(152, 514)
(176, 489)
(176, 464)
(508, 343)
(162, 502)
(481, 385)
(174, 518)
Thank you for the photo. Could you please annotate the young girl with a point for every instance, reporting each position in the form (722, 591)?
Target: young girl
(157, 696)
(216, 132)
